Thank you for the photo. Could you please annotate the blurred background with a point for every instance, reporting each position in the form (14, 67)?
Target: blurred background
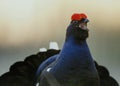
(27, 25)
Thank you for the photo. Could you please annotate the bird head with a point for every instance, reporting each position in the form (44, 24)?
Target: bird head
(78, 26)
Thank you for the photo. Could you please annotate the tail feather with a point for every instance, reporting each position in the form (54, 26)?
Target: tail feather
(22, 73)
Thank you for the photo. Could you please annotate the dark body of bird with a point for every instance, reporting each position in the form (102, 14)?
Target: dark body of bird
(74, 65)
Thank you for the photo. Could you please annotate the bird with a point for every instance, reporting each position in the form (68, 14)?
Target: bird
(74, 65)
(27, 72)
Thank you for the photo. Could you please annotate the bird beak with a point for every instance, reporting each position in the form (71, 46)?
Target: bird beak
(83, 26)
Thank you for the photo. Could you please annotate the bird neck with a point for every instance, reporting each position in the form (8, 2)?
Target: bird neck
(74, 41)
(74, 48)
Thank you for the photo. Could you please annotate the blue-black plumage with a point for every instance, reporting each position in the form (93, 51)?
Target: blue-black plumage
(74, 66)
